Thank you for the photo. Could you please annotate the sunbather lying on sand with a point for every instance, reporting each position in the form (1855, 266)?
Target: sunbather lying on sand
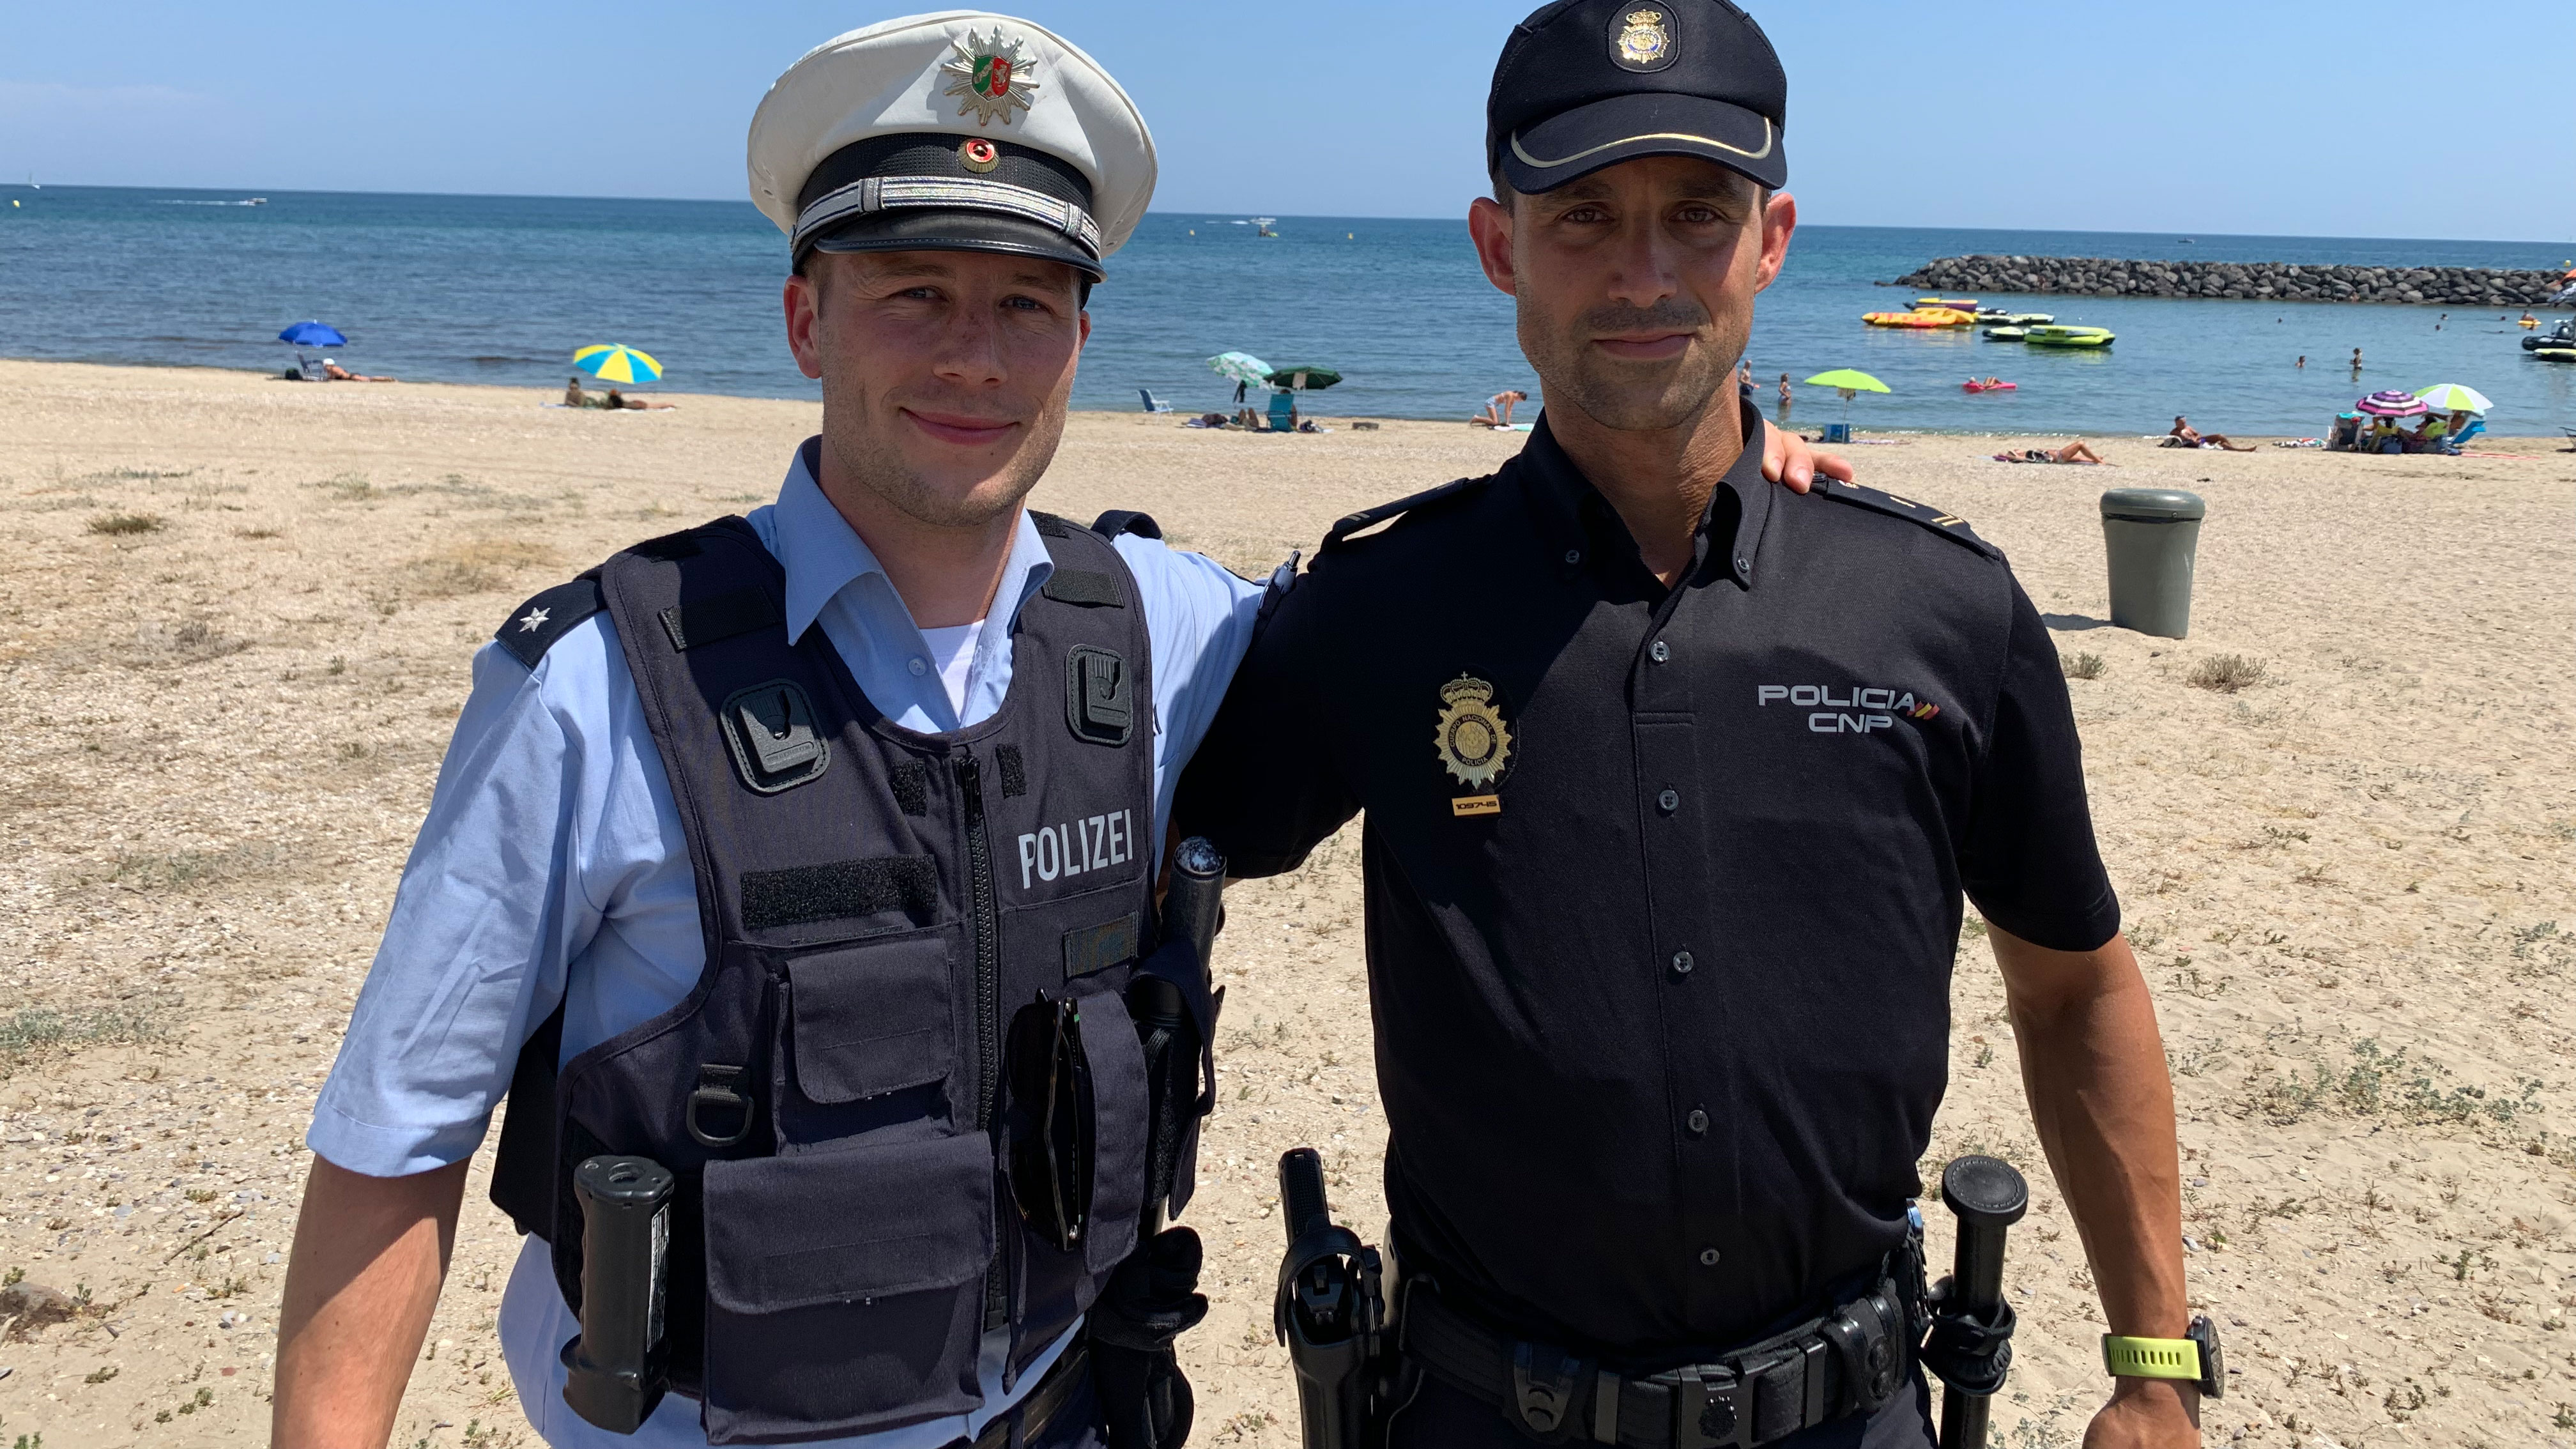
(2184, 435)
(332, 371)
(2074, 452)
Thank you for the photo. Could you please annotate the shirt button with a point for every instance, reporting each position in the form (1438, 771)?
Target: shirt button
(1697, 1121)
(1573, 556)
(1744, 566)
(919, 667)
(1682, 963)
(1708, 1257)
(1670, 800)
(1659, 651)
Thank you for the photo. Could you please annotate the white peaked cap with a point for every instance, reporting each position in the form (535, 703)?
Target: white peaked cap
(919, 76)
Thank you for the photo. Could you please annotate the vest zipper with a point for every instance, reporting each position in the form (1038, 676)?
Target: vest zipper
(987, 926)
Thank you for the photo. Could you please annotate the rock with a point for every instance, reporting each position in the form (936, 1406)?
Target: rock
(2262, 281)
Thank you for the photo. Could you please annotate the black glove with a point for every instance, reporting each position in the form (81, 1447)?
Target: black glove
(1151, 1300)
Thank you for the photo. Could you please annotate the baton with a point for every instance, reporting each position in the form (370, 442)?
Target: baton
(1988, 1196)
(1193, 910)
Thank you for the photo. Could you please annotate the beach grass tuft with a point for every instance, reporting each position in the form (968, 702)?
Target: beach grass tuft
(43, 1030)
(2227, 673)
(121, 524)
(474, 566)
(2086, 665)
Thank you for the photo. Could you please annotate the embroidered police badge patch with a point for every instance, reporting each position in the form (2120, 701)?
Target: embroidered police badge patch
(991, 72)
(1475, 744)
(1642, 40)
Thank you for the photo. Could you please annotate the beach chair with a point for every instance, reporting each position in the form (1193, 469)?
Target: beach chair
(1283, 412)
(1152, 406)
(311, 367)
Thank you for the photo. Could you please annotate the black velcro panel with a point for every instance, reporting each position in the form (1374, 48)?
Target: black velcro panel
(1097, 948)
(843, 888)
(1050, 525)
(1082, 586)
(910, 782)
(704, 621)
(1015, 774)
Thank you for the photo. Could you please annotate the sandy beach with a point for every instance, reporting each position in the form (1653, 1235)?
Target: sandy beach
(235, 626)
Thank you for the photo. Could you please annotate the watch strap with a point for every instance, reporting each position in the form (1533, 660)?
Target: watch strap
(2150, 1358)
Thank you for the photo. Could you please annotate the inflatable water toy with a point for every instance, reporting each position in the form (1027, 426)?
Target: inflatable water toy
(1956, 304)
(2068, 336)
(1988, 386)
(2017, 319)
(1935, 317)
(2006, 334)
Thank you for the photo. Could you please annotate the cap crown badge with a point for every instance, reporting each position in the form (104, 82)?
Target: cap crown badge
(1643, 41)
(992, 73)
(1475, 744)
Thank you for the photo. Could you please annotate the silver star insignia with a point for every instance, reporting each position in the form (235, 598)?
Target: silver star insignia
(529, 624)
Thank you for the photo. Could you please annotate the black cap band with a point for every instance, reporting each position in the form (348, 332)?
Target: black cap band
(928, 192)
(1584, 84)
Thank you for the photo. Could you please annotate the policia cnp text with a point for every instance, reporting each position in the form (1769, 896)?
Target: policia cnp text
(794, 873)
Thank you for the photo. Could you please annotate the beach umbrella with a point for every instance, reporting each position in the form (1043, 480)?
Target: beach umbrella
(2451, 397)
(1302, 378)
(616, 362)
(2392, 404)
(1846, 381)
(313, 334)
(1240, 366)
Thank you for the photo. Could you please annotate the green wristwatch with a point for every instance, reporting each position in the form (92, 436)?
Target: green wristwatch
(2194, 1357)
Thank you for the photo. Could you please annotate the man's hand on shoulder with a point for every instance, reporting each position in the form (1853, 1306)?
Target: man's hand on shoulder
(2147, 1414)
(1788, 461)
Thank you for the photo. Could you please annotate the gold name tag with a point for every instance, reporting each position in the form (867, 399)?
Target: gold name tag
(1476, 805)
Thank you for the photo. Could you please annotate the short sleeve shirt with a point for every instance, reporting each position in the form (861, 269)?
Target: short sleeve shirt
(1663, 885)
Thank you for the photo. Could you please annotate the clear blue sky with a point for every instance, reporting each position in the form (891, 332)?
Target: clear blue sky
(2257, 116)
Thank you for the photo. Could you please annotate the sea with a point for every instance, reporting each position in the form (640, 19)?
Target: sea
(502, 289)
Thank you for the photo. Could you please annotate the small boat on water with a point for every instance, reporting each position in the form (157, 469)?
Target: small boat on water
(1988, 386)
(2062, 336)
(2006, 334)
(2014, 319)
(1956, 304)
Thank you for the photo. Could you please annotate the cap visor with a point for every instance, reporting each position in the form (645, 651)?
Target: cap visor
(959, 231)
(1581, 141)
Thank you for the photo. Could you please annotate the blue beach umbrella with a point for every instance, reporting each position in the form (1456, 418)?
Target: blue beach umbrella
(616, 362)
(313, 334)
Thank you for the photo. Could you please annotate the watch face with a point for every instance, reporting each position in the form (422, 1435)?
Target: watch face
(2213, 1365)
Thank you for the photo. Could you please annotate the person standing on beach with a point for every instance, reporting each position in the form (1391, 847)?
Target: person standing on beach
(1784, 397)
(808, 855)
(1672, 783)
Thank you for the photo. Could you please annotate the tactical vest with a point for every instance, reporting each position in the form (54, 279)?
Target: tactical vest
(878, 904)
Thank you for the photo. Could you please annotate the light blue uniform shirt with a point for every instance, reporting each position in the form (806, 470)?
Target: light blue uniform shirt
(552, 868)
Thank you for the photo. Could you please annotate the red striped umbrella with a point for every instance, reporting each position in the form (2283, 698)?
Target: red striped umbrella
(2392, 404)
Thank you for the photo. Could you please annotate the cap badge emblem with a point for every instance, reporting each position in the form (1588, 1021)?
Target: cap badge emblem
(1474, 742)
(1644, 41)
(979, 155)
(992, 74)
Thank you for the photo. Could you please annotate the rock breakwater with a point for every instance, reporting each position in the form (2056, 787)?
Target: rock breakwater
(2255, 281)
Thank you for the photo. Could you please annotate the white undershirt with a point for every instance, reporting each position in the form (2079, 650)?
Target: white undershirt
(952, 653)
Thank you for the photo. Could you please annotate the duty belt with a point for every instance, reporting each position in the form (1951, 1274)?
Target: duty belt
(1036, 1413)
(1850, 1361)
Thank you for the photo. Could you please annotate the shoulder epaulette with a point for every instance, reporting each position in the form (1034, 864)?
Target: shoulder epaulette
(1368, 518)
(1121, 520)
(1948, 525)
(538, 623)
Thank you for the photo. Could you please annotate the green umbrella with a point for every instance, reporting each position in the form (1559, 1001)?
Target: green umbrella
(2451, 397)
(1302, 378)
(1846, 381)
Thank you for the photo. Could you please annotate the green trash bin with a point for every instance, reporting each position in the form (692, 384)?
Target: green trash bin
(2152, 535)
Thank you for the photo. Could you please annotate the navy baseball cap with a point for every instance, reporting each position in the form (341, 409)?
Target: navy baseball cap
(1585, 84)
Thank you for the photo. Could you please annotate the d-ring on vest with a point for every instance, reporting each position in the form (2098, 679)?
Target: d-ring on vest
(878, 904)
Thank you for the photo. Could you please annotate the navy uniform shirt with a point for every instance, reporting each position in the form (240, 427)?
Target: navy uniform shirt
(1663, 884)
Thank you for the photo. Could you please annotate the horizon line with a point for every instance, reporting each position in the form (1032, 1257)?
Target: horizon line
(1284, 216)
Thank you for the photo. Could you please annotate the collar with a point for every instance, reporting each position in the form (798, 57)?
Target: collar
(822, 555)
(1576, 521)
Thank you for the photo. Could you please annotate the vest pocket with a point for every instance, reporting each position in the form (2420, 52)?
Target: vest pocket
(845, 1288)
(873, 1019)
(1119, 1129)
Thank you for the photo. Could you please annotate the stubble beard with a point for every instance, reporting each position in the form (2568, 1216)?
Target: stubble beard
(860, 431)
(1632, 396)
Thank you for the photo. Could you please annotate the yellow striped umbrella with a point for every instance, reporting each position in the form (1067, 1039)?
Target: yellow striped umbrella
(616, 362)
